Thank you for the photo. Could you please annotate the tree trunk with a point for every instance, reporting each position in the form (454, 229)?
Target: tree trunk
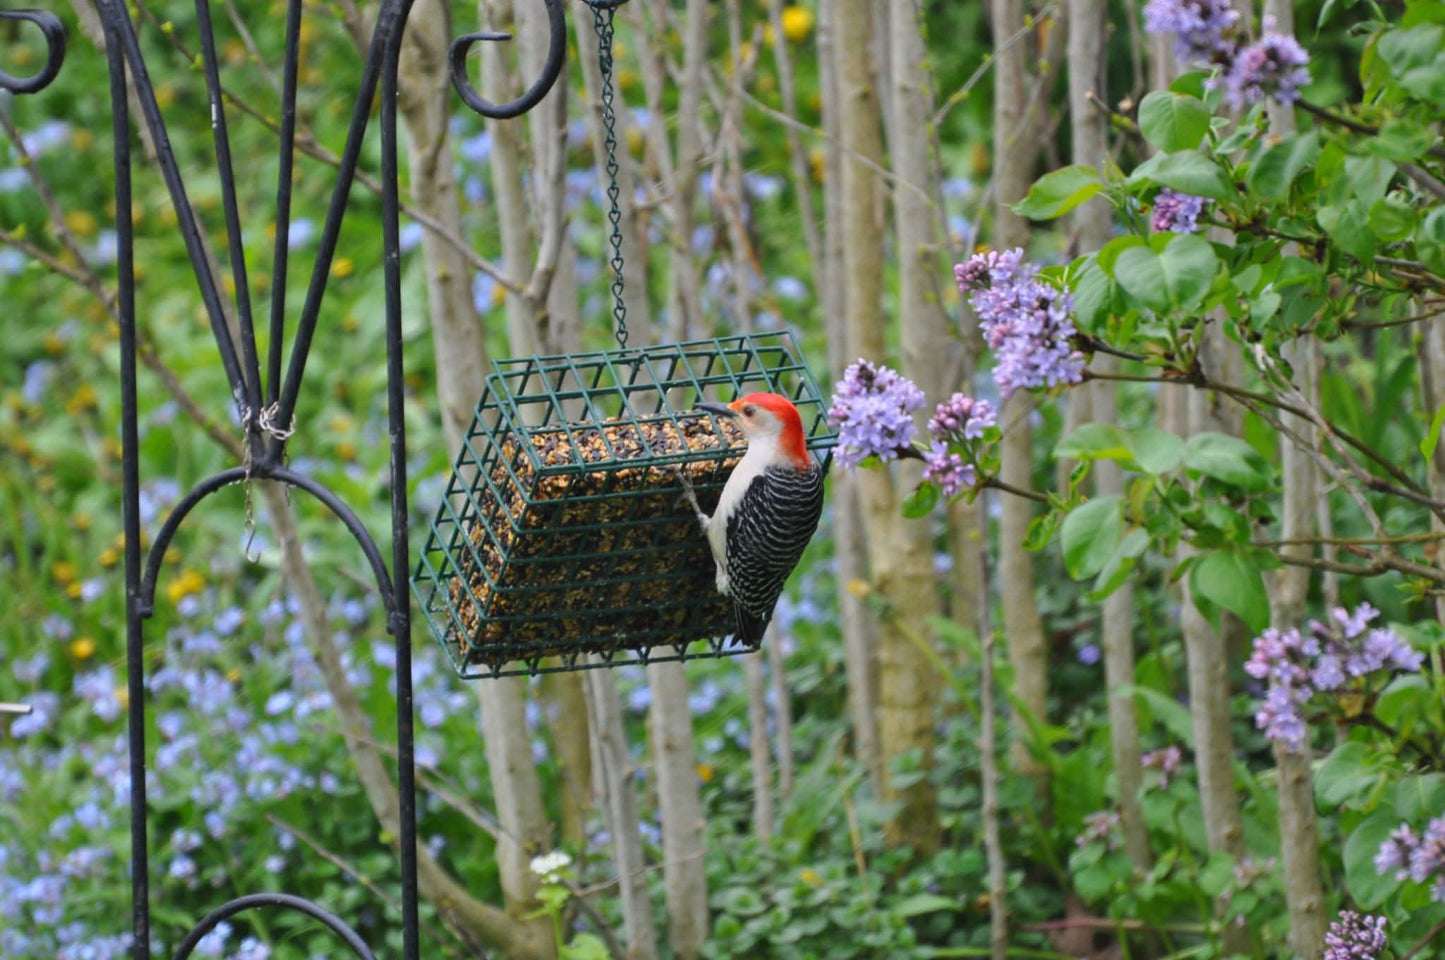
(1299, 842)
(902, 572)
(1206, 652)
(759, 754)
(1015, 143)
(859, 629)
(613, 764)
(1093, 227)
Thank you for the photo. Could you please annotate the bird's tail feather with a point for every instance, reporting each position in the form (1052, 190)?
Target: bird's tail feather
(750, 627)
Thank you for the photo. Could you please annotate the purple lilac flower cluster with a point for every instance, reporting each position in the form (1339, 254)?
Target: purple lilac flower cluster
(1355, 937)
(956, 420)
(1325, 659)
(962, 418)
(1201, 28)
(872, 411)
(1277, 65)
(1206, 33)
(1416, 856)
(1025, 321)
(949, 470)
(1166, 760)
(1176, 211)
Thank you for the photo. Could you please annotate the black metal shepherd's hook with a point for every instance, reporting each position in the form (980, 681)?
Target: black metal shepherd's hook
(266, 408)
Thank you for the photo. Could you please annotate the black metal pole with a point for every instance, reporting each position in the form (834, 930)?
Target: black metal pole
(130, 502)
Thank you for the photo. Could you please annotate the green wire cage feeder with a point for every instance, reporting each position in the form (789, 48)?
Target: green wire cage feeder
(564, 532)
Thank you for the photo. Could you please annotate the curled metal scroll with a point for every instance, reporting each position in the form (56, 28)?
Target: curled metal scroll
(332, 922)
(556, 60)
(147, 592)
(54, 31)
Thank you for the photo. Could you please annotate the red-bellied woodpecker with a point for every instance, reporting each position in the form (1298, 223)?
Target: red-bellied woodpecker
(768, 510)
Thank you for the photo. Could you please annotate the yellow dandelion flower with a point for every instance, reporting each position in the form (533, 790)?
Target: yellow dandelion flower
(165, 96)
(797, 23)
(81, 139)
(343, 267)
(350, 324)
(172, 555)
(234, 674)
(122, 693)
(342, 423)
(810, 876)
(54, 344)
(346, 450)
(72, 590)
(81, 521)
(84, 398)
(82, 648)
(63, 571)
(82, 223)
(626, 80)
(187, 583)
(636, 141)
(499, 294)
(109, 557)
(705, 772)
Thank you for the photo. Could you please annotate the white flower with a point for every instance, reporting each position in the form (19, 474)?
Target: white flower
(549, 865)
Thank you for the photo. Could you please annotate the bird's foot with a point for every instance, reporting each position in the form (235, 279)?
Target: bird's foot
(687, 491)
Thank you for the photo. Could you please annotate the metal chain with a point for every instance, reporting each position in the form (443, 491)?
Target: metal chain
(602, 19)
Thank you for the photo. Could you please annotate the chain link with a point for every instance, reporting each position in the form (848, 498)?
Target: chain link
(602, 19)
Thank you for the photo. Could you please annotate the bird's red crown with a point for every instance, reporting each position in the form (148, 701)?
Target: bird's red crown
(791, 441)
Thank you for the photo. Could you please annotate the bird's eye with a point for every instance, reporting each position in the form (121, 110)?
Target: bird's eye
(749, 410)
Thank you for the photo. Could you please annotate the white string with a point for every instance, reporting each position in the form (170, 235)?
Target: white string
(265, 422)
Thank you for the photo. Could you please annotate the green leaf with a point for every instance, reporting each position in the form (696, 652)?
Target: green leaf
(921, 501)
(1094, 441)
(1402, 140)
(585, 946)
(1187, 171)
(1346, 775)
(1055, 194)
(1419, 796)
(1348, 225)
(1155, 451)
(1216, 873)
(1120, 565)
(1403, 703)
(1275, 171)
(1172, 121)
(1404, 50)
(1230, 581)
(1109, 252)
(1392, 220)
(1090, 535)
(1093, 292)
(1368, 888)
(1432, 436)
(1178, 277)
(1227, 459)
(921, 903)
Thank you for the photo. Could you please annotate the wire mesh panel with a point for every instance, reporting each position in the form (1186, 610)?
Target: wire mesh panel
(564, 530)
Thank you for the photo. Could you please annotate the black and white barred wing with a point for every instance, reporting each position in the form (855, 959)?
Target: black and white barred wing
(766, 537)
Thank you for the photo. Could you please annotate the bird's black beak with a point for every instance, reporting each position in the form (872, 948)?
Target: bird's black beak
(720, 409)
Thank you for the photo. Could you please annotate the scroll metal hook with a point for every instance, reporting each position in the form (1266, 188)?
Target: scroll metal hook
(54, 31)
(556, 60)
